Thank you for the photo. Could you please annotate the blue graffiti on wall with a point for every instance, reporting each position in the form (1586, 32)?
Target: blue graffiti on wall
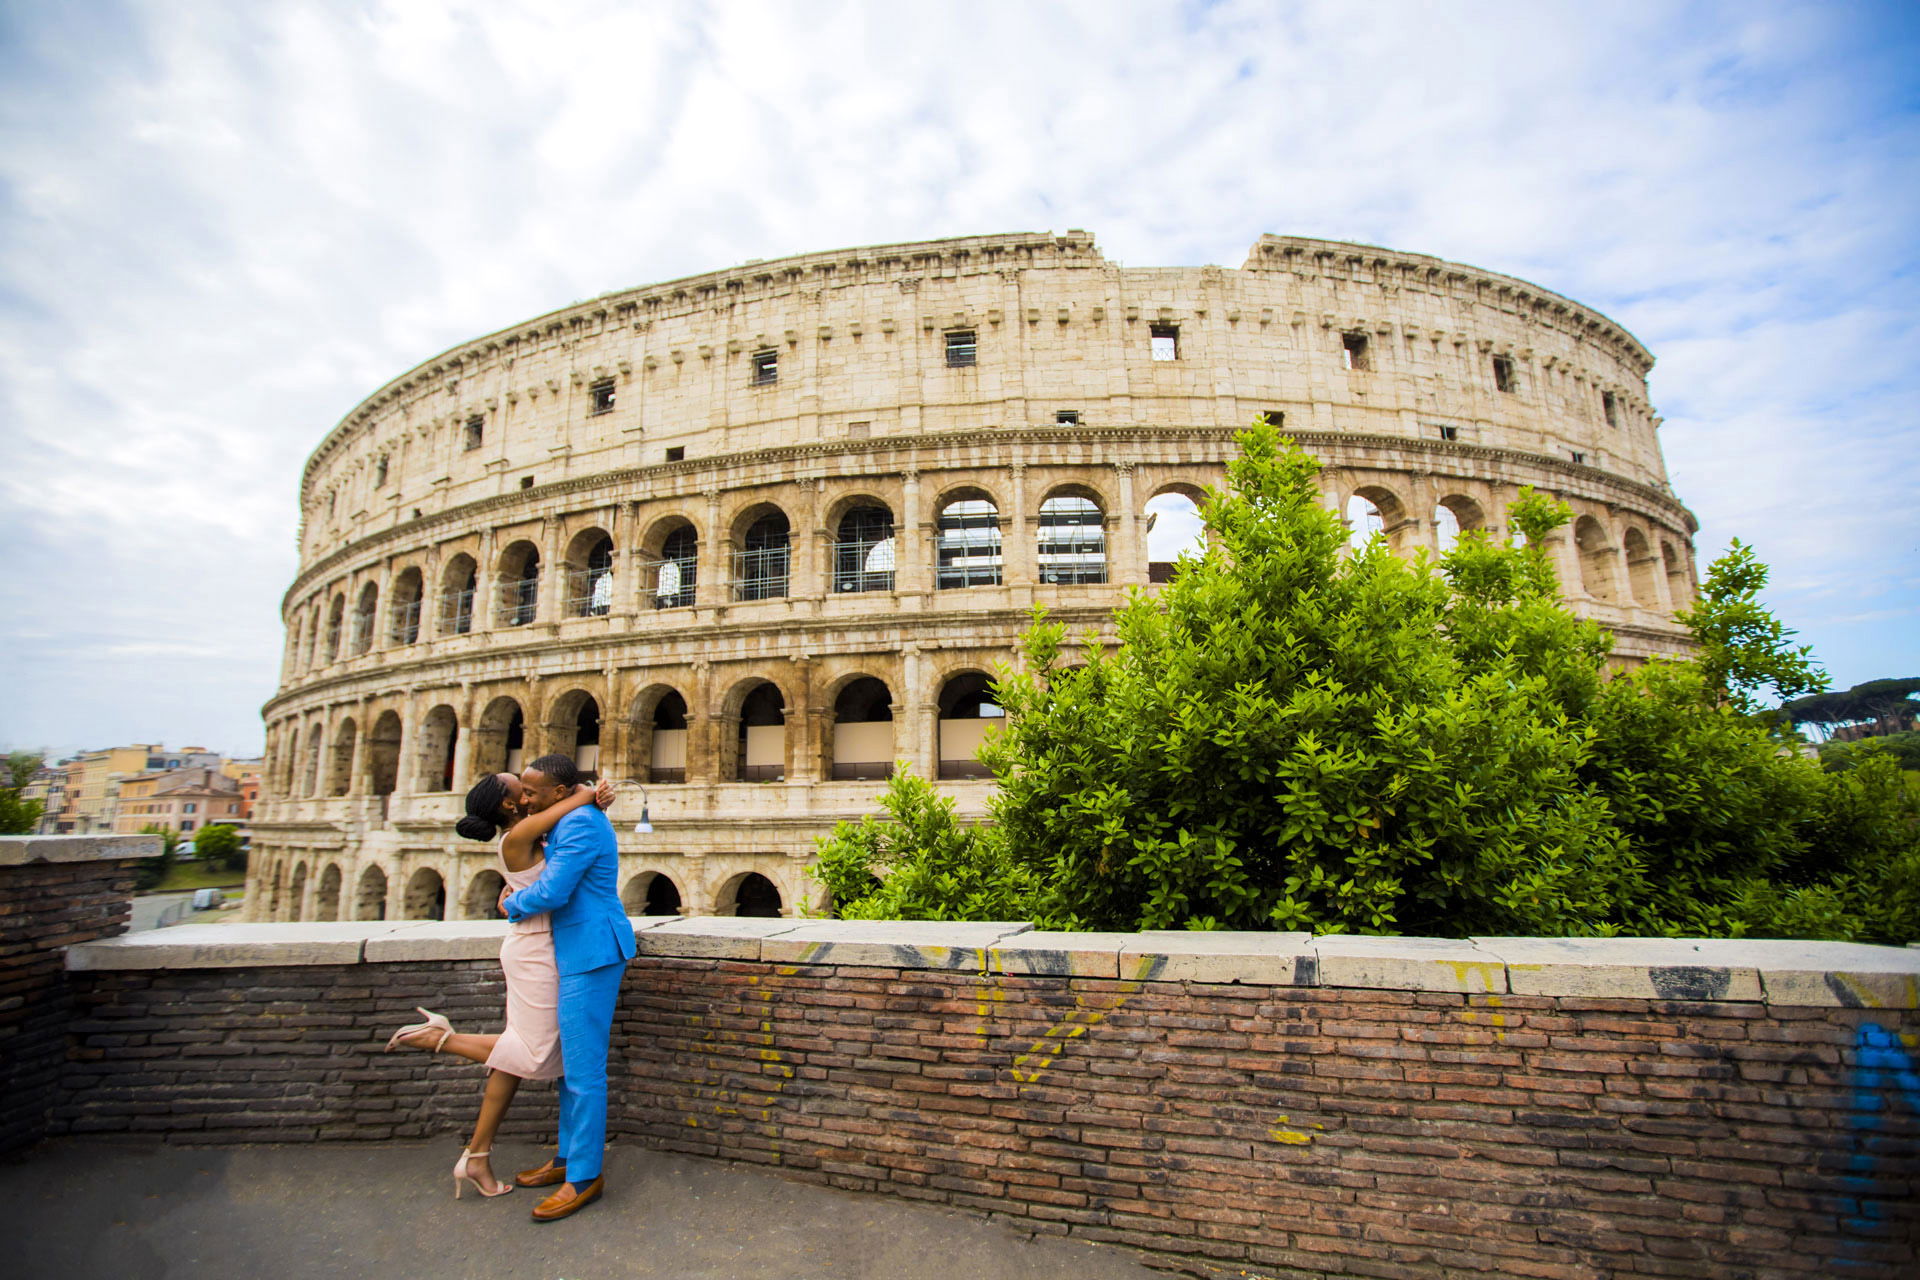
(1883, 1074)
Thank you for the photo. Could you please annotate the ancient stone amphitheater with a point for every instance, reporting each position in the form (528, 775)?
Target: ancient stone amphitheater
(746, 538)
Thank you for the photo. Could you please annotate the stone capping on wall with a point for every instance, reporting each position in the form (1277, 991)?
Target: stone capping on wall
(1772, 971)
(20, 851)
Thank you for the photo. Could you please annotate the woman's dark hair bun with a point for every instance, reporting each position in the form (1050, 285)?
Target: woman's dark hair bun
(483, 809)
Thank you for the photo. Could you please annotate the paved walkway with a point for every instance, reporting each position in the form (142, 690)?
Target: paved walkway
(82, 1209)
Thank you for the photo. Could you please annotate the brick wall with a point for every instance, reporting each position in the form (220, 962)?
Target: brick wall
(54, 891)
(1243, 1109)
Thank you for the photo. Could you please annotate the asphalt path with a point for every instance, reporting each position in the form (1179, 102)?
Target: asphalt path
(78, 1208)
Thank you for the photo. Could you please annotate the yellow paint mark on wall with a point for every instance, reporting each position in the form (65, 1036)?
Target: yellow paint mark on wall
(1293, 1137)
(1077, 1023)
(1481, 969)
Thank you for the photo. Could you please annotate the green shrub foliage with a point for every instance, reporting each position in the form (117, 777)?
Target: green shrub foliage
(1295, 735)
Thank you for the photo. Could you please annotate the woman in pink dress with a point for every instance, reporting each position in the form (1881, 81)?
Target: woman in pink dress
(529, 1047)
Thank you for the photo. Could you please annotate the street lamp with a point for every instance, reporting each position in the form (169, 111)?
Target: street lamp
(643, 827)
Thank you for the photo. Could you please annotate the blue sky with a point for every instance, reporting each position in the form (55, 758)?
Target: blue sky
(221, 225)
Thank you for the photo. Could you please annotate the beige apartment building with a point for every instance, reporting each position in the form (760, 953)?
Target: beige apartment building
(183, 800)
(748, 538)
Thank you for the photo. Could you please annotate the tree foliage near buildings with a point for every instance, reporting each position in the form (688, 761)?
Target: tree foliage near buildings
(219, 847)
(152, 871)
(1292, 736)
(18, 815)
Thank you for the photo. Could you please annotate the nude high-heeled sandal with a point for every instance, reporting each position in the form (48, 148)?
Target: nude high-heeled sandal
(461, 1175)
(434, 1022)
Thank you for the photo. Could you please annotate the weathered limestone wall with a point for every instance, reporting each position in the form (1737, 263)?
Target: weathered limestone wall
(54, 891)
(1307, 1107)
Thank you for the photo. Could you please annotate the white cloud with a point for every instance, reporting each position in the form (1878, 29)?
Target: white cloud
(222, 225)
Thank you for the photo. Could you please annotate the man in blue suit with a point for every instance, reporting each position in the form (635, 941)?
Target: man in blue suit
(592, 942)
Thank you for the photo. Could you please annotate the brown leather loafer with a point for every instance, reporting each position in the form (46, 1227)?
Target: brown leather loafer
(547, 1175)
(553, 1208)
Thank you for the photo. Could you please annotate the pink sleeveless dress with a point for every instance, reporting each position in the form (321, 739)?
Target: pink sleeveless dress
(530, 1045)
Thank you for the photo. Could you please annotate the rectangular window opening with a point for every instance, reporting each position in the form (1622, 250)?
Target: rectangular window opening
(602, 393)
(1503, 373)
(1166, 341)
(676, 453)
(526, 482)
(1273, 418)
(766, 367)
(1611, 404)
(1578, 456)
(476, 431)
(1067, 417)
(1355, 353)
(963, 349)
(1449, 433)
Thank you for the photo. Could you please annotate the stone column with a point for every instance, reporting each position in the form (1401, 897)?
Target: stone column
(486, 582)
(912, 539)
(554, 587)
(806, 546)
(1016, 546)
(1127, 558)
(914, 713)
(715, 585)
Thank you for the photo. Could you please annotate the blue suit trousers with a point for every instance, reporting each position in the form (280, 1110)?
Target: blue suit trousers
(587, 1002)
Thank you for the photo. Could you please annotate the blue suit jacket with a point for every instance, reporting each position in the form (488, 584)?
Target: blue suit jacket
(578, 889)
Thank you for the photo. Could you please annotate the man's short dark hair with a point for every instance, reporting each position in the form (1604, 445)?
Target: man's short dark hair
(558, 767)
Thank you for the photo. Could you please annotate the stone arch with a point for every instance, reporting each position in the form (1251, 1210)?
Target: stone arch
(404, 612)
(763, 552)
(670, 554)
(326, 899)
(518, 573)
(966, 712)
(276, 896)
(1454, 515)
(1597, 560)
(383, 753)
(1070, 538)
(459, 584)
(759, 748)
(340, 768)
(311, 786)
(426, 896)
(1174, 528)
(573, 729)
(749, 893)
(365, 612)
(336, 622)
(865, 548)
(967, 550)
(863, 730)
(288, 773)
(1643, 569)
(1679, 581)
(370, 894)
(500, 737)
(659, 734)
(589, 574)
(434, 750)
(482, 898)
(1372, 509)
(651, 893)
(297, 892)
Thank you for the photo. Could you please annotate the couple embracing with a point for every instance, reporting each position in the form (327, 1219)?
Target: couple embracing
(567, 947)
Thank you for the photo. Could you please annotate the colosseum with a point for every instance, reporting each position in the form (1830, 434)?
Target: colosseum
(746, 539)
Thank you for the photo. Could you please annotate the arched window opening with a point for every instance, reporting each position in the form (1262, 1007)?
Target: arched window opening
(585, 747)
(340, 775)
(482, 901)
(383, 754)
(297, 894)
(1642, 569)
(966, 543)
(753, 895)
(336, 619)
(1452, 517)
(1072, 540)
(863, 555)
(289, 776)
(1597, 561)
(312, 783)
(363, 618)
(651, 893)
(519, 585)
(761, 566)
(326, 900)
(967, 713)
(499, 738)
(590, 581)
(403, 623)
(426, 896)
(516, 742)
(669, 758)
(439, 736)
(863, 731)
(763, 735)
(1679, 583)
(456, 596)
(370, 899)
(1364, 522)
(676, 572)
(1174, 531)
